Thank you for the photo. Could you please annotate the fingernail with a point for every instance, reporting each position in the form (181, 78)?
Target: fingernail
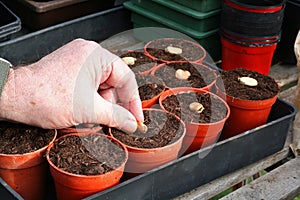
(129, 126)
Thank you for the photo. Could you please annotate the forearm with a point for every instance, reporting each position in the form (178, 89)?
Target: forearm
(16, 96)
(28, 98)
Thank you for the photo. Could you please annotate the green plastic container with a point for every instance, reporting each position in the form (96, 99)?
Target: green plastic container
(201, 5)
(200, 21)
(140, 17)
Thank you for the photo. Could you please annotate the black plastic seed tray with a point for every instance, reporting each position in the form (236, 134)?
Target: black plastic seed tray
(9, 22)
(176, 177)
(205, 165)
(200, 167)
(6, 192)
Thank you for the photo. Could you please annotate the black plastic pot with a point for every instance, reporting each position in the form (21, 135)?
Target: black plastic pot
(249, 41)
(290, 27)
(251, 23)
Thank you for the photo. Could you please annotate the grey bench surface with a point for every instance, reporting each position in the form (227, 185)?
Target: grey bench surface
(281, 183)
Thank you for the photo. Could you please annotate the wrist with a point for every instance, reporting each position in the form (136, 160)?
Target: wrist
(4, 69)
(7, 97)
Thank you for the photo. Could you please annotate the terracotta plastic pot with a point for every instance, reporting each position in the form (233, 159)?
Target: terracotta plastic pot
(209, 80)
(162, 43)
(198, 135)
(151, 102)
(28, 173)
(245, 114)
(74, 186)
(141, 160)
(92, 128)
(149, 84)
(250, 31)
(257, 58)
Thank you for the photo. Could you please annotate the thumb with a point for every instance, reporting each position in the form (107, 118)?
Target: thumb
(114, 115)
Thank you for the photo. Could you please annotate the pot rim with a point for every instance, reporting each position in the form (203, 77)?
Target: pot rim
(256, 8)
(119, 168)
(207, 87)
(199, 60)
(33, 152)
(265, 103)
(187, 89)
(158, 148)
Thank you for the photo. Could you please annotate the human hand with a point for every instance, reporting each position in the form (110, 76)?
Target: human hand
(78, 83)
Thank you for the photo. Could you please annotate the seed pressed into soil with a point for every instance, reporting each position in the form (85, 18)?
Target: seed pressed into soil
(20, 138)
(190, 52)
(149, 86)
(87, 155)
(142, 63)
(199, 76)
(179, 104)
(163, 129)
(229, 79)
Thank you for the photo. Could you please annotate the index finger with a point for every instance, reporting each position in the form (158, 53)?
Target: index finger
(120, 76)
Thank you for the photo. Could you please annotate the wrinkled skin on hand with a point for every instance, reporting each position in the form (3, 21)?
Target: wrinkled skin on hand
(78, 83)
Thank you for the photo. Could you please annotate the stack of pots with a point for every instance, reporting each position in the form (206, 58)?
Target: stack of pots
(250, 31)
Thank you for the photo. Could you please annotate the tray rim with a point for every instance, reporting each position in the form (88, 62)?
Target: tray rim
(41, 7)
(11, 27)
(203, 150)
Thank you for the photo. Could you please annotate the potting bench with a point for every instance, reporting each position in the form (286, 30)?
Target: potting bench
(285, 164)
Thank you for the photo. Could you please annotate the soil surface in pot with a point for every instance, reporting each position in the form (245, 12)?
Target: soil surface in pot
(21, 138)
(179, 104)
(142, 63)
(163, 129)
(265, 89)
(199, 76)
(149, 86)
(190, 52)
(87, 154)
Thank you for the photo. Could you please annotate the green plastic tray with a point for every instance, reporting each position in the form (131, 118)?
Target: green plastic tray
(201, 5)
(140, 17)
(196, 20)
